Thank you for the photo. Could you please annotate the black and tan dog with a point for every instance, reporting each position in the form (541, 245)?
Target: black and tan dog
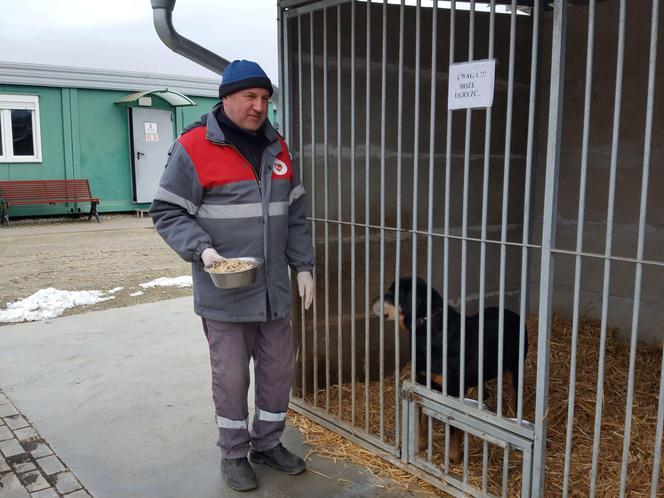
(404, 314)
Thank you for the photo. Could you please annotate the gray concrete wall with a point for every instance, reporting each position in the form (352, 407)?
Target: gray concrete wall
(327, 160)
(323, 167)
(628, 176)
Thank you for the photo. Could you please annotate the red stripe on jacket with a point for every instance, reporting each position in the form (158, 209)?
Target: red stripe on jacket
(218, 164)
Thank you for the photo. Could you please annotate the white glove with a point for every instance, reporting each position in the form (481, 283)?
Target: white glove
(305, 286)
(209, 256)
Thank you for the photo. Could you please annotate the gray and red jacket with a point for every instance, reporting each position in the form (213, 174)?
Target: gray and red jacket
(210, 196)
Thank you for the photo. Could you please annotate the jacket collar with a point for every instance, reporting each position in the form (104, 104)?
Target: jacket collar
(215, 134)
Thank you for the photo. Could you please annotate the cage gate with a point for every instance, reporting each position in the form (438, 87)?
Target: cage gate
(399, 186)
(509, 436)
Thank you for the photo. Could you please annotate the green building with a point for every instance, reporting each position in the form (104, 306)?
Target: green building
(112, 128)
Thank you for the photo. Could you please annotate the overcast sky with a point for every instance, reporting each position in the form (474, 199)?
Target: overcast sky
(119, 34)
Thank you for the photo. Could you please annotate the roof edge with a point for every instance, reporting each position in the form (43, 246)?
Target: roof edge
(20, 73)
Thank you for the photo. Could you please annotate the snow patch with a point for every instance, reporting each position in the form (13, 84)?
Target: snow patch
(48, 303)
(183, 281)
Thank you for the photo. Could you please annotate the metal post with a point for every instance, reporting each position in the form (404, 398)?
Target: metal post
(326, 215)
(608, 246)
(647, 147)
(313, 194)
(353, 264)
(383, 92)
(416, 138)
(367, 176)
(505, 207)
(339, 224)
(532, 112)
(303, 335)
(446, 231)
(579, 246)
(548, 240)
(464, 241)
(397, 264)
(483, 237)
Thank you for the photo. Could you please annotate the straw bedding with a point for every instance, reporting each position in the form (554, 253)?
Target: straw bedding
(616, 364)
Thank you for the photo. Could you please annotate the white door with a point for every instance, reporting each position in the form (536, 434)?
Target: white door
(152, 135)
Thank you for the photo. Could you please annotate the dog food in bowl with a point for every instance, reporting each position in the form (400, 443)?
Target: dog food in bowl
(235, 272)
(230, 266)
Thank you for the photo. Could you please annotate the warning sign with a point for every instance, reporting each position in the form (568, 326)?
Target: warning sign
(152, 137)
(471, 84)
(150, 128)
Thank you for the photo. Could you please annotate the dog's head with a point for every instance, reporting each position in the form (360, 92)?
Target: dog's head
(401, 309)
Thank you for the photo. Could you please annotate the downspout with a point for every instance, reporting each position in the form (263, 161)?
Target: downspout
(162, 11)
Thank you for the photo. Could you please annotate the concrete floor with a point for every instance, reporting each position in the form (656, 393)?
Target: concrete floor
(123, 397)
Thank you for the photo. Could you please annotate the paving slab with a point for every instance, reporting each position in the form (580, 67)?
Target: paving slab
(123, 398)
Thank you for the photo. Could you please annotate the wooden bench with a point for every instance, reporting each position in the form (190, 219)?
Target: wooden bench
(27, 192)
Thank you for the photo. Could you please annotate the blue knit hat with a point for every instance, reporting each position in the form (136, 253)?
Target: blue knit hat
(241, 74)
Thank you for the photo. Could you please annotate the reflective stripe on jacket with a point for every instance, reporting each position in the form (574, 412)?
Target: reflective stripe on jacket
(209, 196)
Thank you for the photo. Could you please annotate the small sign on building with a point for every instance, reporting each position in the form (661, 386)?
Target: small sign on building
(151, 132)
(471, 84)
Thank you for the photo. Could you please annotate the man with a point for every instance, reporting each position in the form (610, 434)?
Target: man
(230, 190)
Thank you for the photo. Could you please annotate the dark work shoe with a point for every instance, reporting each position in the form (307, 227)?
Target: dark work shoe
(239, 474)
(279, 458)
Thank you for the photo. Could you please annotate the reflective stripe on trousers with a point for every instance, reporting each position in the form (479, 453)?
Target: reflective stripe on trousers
(232, 345)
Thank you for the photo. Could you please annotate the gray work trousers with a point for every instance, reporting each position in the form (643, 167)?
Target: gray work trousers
(232, 345)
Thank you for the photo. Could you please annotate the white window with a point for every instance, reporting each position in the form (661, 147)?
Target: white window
(20, 140)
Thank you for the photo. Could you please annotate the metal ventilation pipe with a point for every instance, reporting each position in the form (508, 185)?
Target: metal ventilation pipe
(162, 11)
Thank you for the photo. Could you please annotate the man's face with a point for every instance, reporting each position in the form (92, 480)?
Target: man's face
(247, 108)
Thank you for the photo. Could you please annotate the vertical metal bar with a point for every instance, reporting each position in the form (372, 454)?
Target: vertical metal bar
(432, 152)
(413, 426)
(526, 474)
(504, 222)
(464, 241)
(482, 290)
(416, 139)
(658, 433)
(485, 204)
(406, 422)
(446, 230)
(464, 217)
(383, 90)
(367, 176)
(353, 265)
(579, 246)
(326, 210)
(532, 108)
(647, 147)
(429, 439)
(280, 66)
(397, 264)
(608, 246)
(548, 240)
(485, 466)
(312, 106)
(339, 224)
(282, 40)
(466, 456)
(506, 470)
(300, 118)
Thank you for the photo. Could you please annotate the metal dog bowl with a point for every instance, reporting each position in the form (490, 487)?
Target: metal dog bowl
(233, 280)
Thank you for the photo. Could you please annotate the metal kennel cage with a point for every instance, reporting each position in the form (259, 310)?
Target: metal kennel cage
(545, 202)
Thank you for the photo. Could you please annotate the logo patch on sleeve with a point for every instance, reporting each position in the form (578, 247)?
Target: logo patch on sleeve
(279, 167)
